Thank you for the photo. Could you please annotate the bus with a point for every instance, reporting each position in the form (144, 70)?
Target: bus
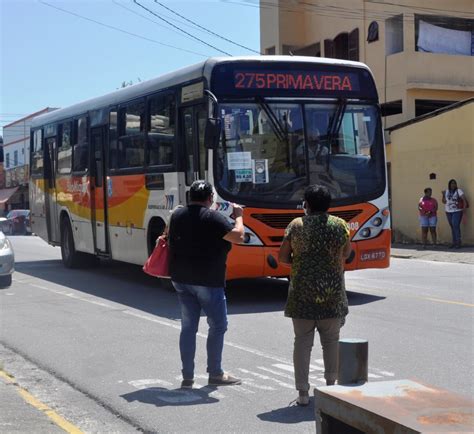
(107, 172)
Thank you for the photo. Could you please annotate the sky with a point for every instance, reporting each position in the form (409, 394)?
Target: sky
(50, 58)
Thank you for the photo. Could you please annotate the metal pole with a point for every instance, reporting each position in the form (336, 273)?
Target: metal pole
(353, 361)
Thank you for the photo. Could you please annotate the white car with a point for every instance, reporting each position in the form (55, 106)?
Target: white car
(7, 261)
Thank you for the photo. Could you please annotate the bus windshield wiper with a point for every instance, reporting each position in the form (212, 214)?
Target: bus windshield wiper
(336, 122)
(275, 123)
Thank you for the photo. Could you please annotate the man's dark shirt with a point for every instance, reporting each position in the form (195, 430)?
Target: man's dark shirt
(198, 250)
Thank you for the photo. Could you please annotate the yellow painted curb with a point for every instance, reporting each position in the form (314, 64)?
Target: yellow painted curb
(30, 399)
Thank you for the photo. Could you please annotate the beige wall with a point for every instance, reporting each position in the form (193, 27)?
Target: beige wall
(444, 145)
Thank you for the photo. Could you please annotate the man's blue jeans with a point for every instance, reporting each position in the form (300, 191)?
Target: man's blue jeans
(454, 220)
(212, 301)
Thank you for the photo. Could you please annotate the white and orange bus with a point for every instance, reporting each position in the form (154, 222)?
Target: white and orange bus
(106, 172)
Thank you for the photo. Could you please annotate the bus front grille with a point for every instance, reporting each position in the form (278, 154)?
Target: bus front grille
(277, 221)
(281, 221)
(347, 215)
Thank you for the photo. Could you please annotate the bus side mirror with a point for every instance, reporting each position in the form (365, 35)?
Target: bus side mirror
(212, 133)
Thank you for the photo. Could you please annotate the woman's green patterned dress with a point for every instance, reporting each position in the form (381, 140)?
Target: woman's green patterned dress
(317, 289)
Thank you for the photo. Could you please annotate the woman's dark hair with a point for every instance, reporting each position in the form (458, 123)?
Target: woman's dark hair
(427, 189)
(317, 198)
(200, 191)
(449, 183)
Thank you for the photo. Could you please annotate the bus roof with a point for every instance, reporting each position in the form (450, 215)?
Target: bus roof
(183, 75)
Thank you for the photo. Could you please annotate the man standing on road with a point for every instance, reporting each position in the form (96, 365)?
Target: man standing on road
(200, 240)
(316, 246)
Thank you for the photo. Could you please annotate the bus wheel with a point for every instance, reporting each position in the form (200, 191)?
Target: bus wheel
(70, 256)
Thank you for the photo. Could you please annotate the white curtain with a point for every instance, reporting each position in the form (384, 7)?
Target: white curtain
(435, 39)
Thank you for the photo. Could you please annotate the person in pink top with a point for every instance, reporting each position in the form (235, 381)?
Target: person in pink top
(428, 207)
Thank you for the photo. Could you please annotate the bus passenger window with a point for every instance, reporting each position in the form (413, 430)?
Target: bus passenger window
(161, 130)
(80, 147)
(201, 120)
(37, 157)
(113, 150)
(65, 149)
(131, 142)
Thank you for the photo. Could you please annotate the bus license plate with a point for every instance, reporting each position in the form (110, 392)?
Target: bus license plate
(373, 255)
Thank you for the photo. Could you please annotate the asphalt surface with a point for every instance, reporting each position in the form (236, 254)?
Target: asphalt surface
(99, 346)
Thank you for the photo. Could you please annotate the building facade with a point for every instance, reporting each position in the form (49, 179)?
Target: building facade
(16, 160)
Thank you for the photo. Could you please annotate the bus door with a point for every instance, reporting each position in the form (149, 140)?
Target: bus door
(193, 121)
(99, 190)
(52, 223)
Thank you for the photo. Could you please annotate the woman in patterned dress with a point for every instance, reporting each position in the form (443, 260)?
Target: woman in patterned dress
(316, 246)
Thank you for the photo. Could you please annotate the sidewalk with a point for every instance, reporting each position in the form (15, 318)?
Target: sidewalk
(18, 415)
(465, 255)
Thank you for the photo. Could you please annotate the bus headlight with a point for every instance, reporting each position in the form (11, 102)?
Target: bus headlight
(251, 238)
(373, 227)
(377, 221)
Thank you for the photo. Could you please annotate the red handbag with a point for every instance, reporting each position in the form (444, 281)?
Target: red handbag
(158, 263)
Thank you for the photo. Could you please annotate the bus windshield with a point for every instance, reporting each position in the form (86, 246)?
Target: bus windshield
(270, 151)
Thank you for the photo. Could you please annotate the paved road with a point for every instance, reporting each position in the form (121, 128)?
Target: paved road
(102, 347)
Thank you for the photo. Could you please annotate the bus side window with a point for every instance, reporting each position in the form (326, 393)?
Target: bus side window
(113, 144)
(131, 142)
(37, 157)
(161, 129)
(80, 147)
(65, 149)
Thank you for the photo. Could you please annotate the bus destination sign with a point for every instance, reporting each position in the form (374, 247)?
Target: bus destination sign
(297, 80)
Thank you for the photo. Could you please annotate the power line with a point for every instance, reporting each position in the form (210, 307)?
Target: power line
(180, 29)
(207, 30)
(149, 19)
(121, 30)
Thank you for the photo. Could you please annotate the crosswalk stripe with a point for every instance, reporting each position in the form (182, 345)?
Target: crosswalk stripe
(265, 377)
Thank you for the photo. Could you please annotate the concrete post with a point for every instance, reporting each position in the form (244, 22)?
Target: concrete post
(353, 361)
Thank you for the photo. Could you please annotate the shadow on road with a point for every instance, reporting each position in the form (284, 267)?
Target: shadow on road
(127, 284)
(290, 414)
(162, 397)
(359, 298)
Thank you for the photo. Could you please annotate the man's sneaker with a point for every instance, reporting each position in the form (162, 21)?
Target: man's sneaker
(303, 399)
(187, 384)
(224, 380)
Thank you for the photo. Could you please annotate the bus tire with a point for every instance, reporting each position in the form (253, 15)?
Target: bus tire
(70, 256)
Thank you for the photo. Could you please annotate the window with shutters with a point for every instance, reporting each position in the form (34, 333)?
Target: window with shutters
(353, 46)
(343, 46)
